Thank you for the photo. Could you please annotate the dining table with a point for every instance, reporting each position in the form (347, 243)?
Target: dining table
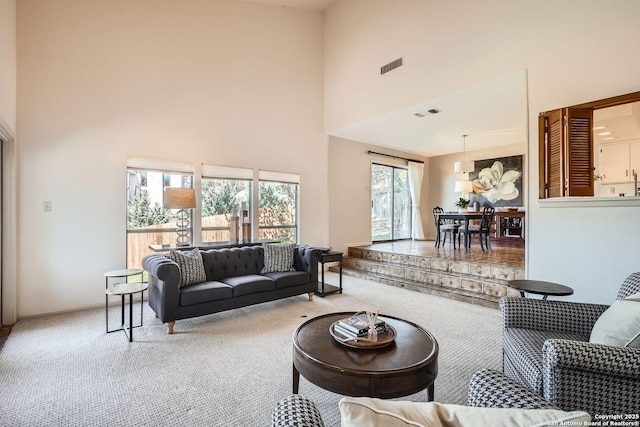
(462, 216)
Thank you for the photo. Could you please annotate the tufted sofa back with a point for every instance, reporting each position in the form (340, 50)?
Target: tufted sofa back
(221, 263)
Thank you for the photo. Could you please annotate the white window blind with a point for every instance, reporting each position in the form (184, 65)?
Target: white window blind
(159, 165)
(291, 178)
(217, 171)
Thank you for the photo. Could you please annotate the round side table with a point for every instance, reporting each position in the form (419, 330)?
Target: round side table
(122, 290)
(540, 287)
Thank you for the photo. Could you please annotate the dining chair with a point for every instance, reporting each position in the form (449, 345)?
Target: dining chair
(482, 230)
(443, 227)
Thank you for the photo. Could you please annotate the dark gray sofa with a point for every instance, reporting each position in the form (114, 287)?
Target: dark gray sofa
(233, 280)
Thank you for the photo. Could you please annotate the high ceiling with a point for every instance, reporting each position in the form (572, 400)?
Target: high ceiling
(491, 114)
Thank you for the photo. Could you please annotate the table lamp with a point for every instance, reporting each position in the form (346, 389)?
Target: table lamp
(464, 187)
(181, 199)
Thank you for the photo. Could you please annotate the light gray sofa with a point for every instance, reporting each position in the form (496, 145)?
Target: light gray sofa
(233, 280)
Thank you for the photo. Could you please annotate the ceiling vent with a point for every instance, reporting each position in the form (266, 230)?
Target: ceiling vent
(391, 66)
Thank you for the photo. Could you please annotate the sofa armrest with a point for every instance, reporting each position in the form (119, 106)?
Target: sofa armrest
(164, 285)
(560, 354)
(547, 315)
(296, 411)
(306, 259)
(491, 389)
(612, 374)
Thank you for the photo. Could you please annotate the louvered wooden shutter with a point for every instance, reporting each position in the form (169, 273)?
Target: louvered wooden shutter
(554, 154)
(579, 152)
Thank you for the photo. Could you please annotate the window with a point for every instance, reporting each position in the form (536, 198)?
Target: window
(278, 206)
(148, 222)
(390, 203)
(567, 152)
(224, 190)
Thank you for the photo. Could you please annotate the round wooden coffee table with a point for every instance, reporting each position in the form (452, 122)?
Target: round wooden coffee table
(407, 366)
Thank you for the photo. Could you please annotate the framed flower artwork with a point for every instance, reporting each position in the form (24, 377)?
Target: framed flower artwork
(498, 182)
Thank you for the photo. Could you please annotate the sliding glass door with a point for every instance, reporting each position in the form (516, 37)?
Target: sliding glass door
(390, 203)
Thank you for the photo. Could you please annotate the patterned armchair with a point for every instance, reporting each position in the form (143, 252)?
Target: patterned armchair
(487, 389)
(546, 348)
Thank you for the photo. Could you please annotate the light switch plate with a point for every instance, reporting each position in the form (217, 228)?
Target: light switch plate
(46, 206)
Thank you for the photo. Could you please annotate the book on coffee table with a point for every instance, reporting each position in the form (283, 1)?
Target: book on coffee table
(358, 325)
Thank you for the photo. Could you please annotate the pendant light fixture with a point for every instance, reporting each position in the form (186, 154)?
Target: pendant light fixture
(465, 165)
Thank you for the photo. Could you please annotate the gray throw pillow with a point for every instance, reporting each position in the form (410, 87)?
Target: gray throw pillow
(191, 266)
(278, 257)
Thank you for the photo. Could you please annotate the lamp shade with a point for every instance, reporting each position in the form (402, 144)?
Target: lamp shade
(463, 187)
(464, 166)
(179, 198)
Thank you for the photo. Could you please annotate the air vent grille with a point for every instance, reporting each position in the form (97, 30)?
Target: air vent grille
(391, 66)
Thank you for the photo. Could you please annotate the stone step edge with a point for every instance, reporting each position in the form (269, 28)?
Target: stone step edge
(421, 284)
(428, 288)
(507, 273)
(519, 271)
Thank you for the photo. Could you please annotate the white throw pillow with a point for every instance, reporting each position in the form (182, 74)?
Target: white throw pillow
(619, 325)
(371, 412)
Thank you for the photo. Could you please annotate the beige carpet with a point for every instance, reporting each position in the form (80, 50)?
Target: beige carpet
(226, 369)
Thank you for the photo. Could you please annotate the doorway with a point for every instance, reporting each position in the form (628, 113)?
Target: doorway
(390, 203)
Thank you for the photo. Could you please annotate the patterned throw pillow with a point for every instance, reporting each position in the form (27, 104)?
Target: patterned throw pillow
(191, 266)
(278, 257)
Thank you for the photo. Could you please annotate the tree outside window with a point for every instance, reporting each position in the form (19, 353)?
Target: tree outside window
(220, 197)
(148, 222)
(278, 211)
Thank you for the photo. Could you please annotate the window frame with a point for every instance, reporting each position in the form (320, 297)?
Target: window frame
(205, 178)
(168, 169)
(280, 178)
(393, 167)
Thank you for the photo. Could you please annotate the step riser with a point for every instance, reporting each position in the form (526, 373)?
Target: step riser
(465, 281)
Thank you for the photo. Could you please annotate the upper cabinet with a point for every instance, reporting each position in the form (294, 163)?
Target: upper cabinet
(634, 158)
(575, 141)
(618, 160)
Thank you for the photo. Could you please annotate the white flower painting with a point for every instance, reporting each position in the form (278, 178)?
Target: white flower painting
(499, 185)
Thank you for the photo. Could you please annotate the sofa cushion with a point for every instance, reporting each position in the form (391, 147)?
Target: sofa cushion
(371, 412)
(278, 257)
(205, 292)
(250, 284)
(230, 262)
(191, 266)
(619, 325)
(524, 350)
(287, 279)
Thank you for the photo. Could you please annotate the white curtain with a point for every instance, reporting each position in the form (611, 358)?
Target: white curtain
(416, 172)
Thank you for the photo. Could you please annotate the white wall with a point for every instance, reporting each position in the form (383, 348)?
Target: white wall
(217, 82)
(8, 64)
(350, 190)
(573, 50)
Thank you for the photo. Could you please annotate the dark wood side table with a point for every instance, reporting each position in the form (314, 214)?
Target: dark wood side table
(406, 366)
(540, 287)
(324, 288)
